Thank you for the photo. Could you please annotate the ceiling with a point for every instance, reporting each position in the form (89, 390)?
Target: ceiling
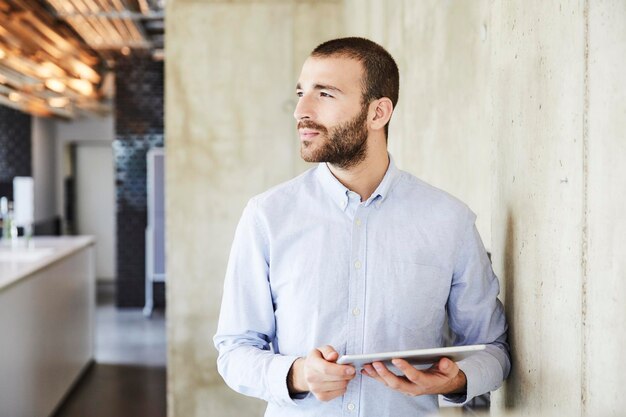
(114, 25)
(57, 56)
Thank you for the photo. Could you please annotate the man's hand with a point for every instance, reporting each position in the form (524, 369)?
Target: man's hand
(444, 377)
(319, 374)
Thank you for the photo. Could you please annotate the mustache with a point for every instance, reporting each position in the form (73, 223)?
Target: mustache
(309, 124)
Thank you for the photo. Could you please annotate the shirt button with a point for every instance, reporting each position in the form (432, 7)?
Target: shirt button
(358, 222)
(357, 264)
(351, 407)
(356, 311)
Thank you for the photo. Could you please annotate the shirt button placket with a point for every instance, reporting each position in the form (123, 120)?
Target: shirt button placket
(356, 299)
(357, 294)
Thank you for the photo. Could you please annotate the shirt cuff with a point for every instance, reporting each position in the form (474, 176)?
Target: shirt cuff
(481, 378)
(277, 379)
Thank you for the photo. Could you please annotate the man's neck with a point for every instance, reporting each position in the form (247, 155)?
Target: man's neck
(364, 177)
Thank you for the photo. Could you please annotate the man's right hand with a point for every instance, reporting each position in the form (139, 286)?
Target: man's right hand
(319, 374)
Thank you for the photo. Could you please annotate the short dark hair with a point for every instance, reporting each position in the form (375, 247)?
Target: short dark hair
(381, 76)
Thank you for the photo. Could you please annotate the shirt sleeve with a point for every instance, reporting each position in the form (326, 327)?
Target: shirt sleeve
(476, 316)
(246, 324)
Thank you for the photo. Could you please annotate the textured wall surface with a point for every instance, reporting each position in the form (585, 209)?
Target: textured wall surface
(440, 128)
(231, 76)
(604, 309)
(521, 104)
(537, 118)
(518, 108)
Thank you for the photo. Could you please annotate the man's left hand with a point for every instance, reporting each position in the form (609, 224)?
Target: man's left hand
(444, 377)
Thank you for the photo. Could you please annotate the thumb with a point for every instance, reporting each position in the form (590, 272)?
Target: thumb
(329, 353)
(446, 366)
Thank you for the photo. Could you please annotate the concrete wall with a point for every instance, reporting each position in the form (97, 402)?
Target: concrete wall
(604, 229)
(537, 113)
(515, 107)
(439, 130)
(231, 72)
(518, 109)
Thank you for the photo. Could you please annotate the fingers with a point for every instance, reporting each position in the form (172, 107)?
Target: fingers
(447, 367)
(409, 371)
(371, 372)
(393, 381)
(326, 379)
(327, 386)
(441, 378)
(329, 395)
(327, 369)
(329, 353)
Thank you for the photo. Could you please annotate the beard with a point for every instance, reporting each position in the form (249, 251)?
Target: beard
(344, 145)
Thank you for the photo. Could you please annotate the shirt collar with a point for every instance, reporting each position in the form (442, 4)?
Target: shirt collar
(339, 193)
(384, 188)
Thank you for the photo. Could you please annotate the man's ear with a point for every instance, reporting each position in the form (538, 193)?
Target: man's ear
(382, 109)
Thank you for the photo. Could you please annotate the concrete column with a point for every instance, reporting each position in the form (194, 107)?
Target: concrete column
(604, 231)
(537, 90)
(231, 72)
(521, 104)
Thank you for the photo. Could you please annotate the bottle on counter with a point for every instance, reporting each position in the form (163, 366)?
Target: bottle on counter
(9, 228)
(4, 217)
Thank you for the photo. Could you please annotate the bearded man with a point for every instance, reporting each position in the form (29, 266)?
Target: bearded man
(356, 256)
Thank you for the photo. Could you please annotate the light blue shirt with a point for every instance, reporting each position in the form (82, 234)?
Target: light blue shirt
(313, 265)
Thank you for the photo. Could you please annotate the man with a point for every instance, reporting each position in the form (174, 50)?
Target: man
(355, 256)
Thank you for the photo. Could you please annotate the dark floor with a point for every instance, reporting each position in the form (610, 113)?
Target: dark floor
(117, 391)
(128, 378)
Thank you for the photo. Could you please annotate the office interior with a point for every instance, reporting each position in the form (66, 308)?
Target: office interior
(516, 108)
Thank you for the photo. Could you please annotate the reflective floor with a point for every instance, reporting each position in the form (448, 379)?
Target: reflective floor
(129, 376)
(125, 336)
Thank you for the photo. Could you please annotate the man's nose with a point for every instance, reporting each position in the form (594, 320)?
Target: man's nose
(304, 108)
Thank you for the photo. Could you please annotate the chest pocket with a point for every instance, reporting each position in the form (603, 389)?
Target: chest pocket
(415, 294)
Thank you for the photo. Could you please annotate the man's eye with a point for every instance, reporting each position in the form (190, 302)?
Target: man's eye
(299, 93)
(323, 94)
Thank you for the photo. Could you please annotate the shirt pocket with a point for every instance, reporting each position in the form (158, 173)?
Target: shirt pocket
(415, 294)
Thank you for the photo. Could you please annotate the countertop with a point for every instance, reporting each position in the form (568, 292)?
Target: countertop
(19, 262)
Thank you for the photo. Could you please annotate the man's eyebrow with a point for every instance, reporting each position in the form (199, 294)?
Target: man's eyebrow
(321, 87)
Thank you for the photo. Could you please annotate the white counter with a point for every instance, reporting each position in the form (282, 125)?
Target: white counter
(47, 312)
(20, 261)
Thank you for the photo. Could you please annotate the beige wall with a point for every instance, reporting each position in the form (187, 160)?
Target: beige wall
(604, 228)
(231, 72)
(537, 88)
(518, 108)
(439, 130)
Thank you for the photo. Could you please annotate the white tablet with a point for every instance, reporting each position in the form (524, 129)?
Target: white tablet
(420, 357)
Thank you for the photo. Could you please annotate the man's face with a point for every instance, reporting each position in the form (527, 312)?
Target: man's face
(332, 120)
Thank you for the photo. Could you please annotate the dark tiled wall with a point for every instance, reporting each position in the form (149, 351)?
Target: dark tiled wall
(139, 96)
(139, 127)
(15, 148)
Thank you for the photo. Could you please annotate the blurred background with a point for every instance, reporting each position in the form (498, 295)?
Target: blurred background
(517, 108)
